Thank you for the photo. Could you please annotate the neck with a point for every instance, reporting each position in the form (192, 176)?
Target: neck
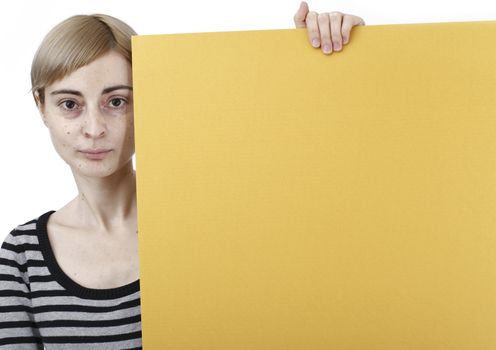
(109, 201)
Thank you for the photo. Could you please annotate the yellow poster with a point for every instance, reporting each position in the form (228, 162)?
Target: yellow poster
(293, 200)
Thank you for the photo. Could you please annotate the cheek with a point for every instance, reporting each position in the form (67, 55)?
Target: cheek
(130, 122)
(130, 133)
(121, 133)
(63, 136)
(129, 137)
(130, 130)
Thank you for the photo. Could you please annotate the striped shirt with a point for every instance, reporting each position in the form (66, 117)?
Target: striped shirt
(42, 308)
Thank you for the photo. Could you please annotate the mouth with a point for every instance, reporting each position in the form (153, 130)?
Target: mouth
(95, 151)
(95, 154)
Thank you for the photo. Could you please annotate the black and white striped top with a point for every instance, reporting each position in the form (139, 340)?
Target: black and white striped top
(42, 308)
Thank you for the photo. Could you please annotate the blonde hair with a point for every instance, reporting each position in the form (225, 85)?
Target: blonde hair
(74, 43)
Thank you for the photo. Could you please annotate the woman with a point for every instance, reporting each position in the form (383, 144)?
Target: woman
(70, 278)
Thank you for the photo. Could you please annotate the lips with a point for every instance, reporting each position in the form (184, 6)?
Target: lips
(95, 154)
(95, 151)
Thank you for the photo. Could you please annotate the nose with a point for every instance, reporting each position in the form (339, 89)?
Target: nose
(94, 124)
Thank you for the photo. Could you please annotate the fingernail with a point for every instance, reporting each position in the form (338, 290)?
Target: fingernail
(345, 39)
(337, 46)
(315, 42)
(327, 49)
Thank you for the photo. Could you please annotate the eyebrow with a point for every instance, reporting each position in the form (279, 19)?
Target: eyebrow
(116, 87)
(104, 91)
(66, 91)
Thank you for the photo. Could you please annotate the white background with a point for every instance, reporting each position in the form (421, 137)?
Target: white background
(33, 177)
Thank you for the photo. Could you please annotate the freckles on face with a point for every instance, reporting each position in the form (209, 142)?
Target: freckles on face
(63, 138)
(92, 109)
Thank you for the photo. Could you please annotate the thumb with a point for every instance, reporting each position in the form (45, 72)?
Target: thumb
(301, 15)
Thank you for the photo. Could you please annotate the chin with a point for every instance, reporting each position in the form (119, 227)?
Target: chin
(94, 174)
(100, 170)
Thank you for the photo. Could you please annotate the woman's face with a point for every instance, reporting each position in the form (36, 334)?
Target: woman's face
(90, 116)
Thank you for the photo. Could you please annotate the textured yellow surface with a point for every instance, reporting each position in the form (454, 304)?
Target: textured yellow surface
(292, 200)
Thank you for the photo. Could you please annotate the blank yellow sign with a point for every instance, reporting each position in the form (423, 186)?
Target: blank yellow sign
(293, 200)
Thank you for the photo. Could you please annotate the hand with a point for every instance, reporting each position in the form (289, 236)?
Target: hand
(326, 30)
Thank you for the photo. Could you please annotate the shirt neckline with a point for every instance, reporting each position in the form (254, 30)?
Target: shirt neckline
(65, 281)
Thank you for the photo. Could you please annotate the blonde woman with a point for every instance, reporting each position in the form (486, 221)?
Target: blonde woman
(69, 279)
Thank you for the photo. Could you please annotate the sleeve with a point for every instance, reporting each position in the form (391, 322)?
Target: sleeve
(17, 327)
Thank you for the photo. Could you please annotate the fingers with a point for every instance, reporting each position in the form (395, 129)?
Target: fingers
(325, 33)
(313, 31)
(329, 31)
(329, 27)
(349, 22)
(301, 15)
(337, 40)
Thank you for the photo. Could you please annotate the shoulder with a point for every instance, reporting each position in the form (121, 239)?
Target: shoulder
(23, 238)
(20, 249)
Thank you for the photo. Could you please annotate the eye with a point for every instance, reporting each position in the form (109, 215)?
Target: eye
(69, 105)
(117, 102)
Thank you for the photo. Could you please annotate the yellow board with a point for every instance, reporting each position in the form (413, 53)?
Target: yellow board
(293, 200)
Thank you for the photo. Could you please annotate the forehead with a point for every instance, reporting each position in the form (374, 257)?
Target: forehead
(108, 70)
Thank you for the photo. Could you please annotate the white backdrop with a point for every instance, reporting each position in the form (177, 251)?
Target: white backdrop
(33, 177)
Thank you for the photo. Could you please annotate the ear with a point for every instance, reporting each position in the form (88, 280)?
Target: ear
(40, 105)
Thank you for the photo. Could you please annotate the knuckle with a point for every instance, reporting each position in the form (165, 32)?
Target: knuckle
(336, 38)
(298, 17)
(335, 14)
(312, 14)
(313, 34)
(345, 28)
(324, 24)
(347, 20)
(323, 20)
